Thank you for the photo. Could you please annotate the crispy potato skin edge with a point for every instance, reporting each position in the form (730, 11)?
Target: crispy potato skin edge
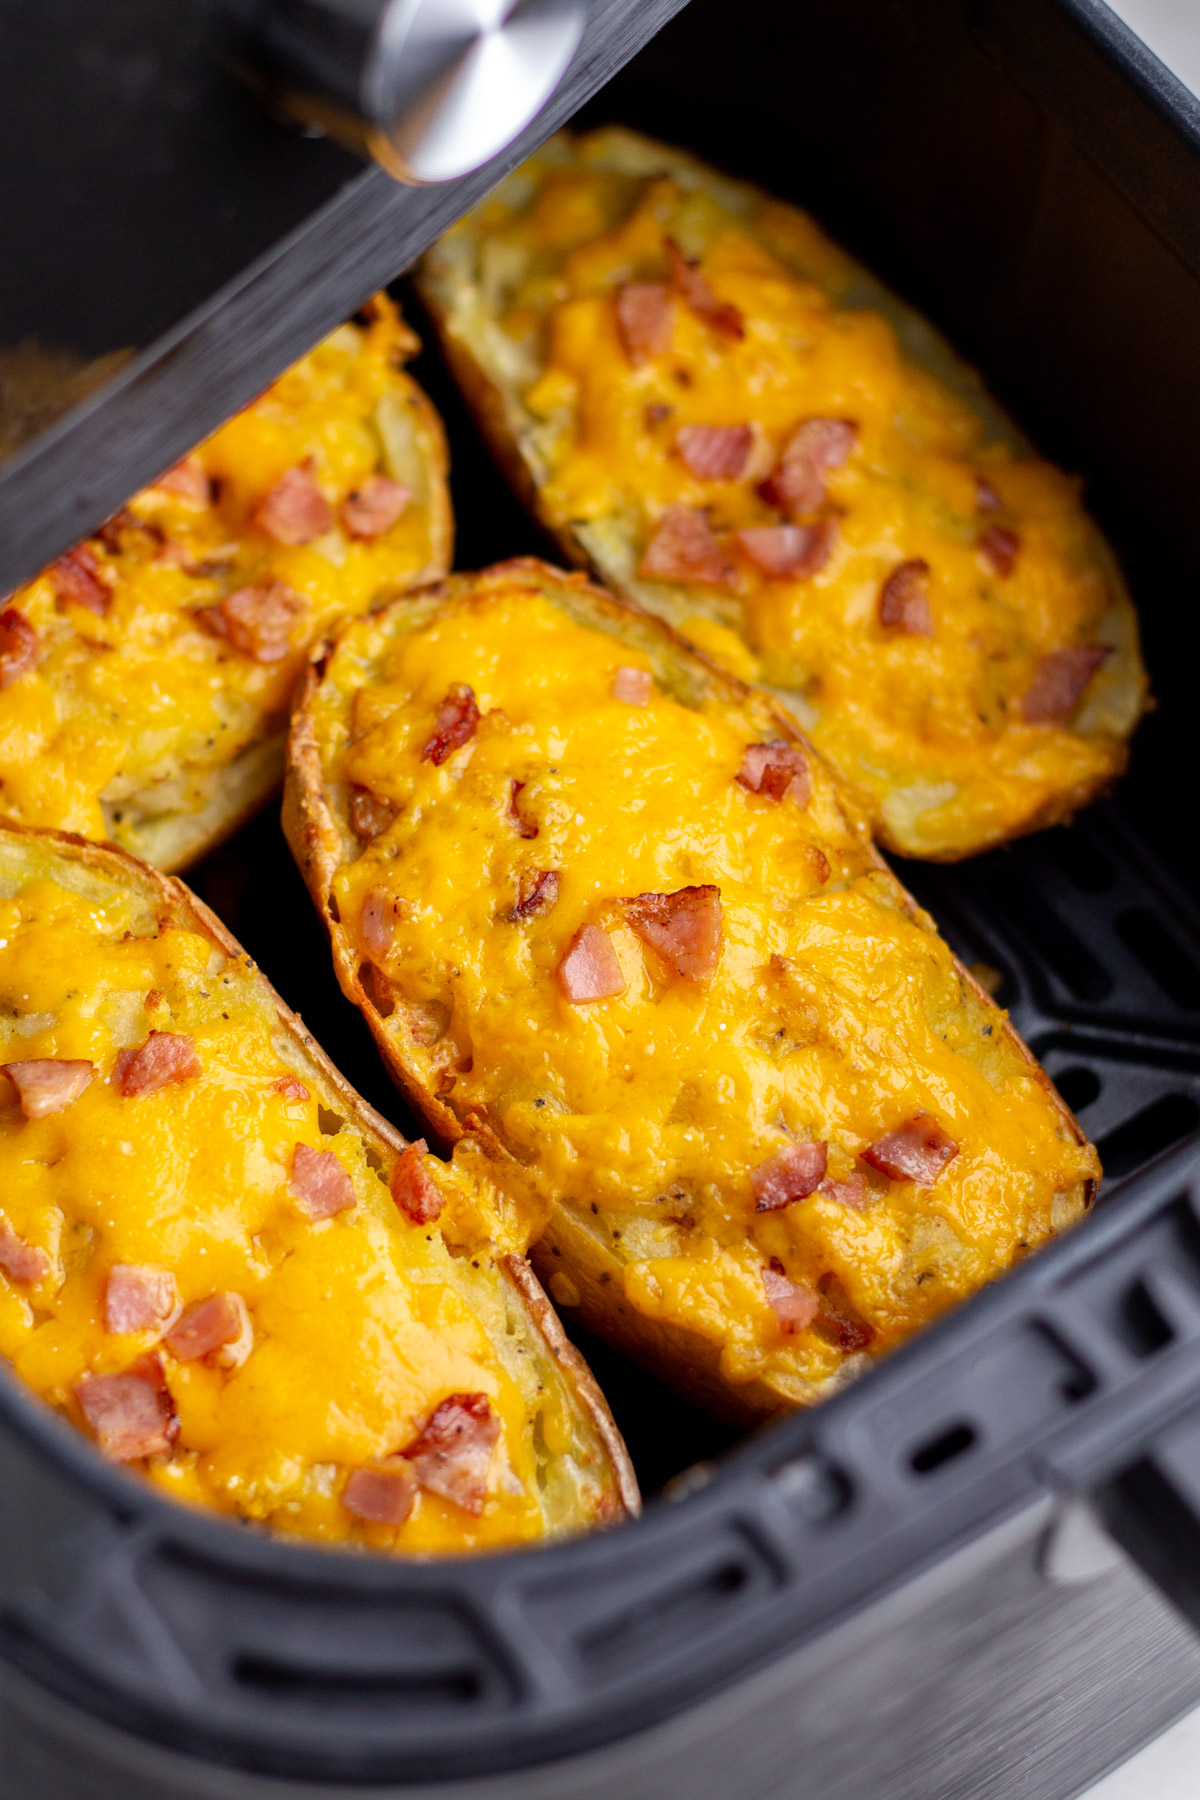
(623, 1499)
(688, 1362)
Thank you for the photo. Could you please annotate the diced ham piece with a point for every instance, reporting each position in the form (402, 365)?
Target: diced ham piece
(384, 1495)
(685, 548)
(413, 1188)
(797, 484)
(295, 511)
(904, 599)
(187, 481)
(590, 970)
(1059, 682)
(456, 720)
(220, 1328)
(78, 580)
(132, 1414)
(793, 1173)
(837, 1320)
(535, 893)
(715, 452)
(794, 1306)
(633, 686)
(140, 1297)
(23, 1262)
(46, 1084)
(374, 507)
(377, 924)
(526, 828)
(916, 1151)
(851, 1192)
(644, 320)
(370, 815)
(257, 621)
(320, 1182)
(779, 770)
(165, 1057)
(18, 646)
(454, 1452)
(684, 928)
(799, 550)
(291, 1088)
(998, 547)
(689, 282)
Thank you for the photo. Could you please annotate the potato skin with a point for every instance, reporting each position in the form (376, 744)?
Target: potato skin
(996, 801)
(569, 1245)
(30, 852)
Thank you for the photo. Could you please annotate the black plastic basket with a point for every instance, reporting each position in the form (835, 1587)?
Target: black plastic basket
(950, 1581)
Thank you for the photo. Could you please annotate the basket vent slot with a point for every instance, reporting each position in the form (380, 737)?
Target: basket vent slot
(665, 1620)
(1164, 959)
(1148, 1132)
(946, 1447)
(279, 1679)
(1144, 1328)
(1079, 1086)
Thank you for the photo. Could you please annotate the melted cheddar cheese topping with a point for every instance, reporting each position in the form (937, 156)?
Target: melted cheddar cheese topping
(928, 725)
(834, 1012)
(128, 707)
(362, 1322)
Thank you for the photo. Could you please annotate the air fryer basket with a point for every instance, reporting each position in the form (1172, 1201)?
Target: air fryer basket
(929, 1587)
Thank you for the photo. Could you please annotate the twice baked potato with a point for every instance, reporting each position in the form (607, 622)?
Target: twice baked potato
(145, 676)
(610, 916)
(230, 1271)
(734, 424)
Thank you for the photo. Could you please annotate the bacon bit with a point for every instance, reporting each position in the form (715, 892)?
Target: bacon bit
(187, 481)
(46, 1085)
(779, 770)
(684, 928)
(295, 511)
(22, 1261)
(453, 1453)
(916, 1151)
(1059, 681)
(370, 815)
(837, 1321)
(165, 1057)
(535, 893)
(904, 599)
(793, 1173)
(133, 1414)
(374, 508)
(257, 621)
(998, 547)
(320, 1182)
(219, 1327)
(413, 1188)
(78, 580)
(715, 452)
(800, 550)
(795, 1307)
(684, 548)
(986, 497)
(644, 320)
(290, 1088)
(140, 1297)
(384, 1495)
(590, 970)
(688, 281)
(818, 862)
(797, 485)
(851, 1192)
(18, 646)
(456, 720)
(634, 686)
(377, 923)
(525, 827)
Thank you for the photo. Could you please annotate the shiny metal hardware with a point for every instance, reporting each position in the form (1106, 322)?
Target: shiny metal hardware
(432, 88)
